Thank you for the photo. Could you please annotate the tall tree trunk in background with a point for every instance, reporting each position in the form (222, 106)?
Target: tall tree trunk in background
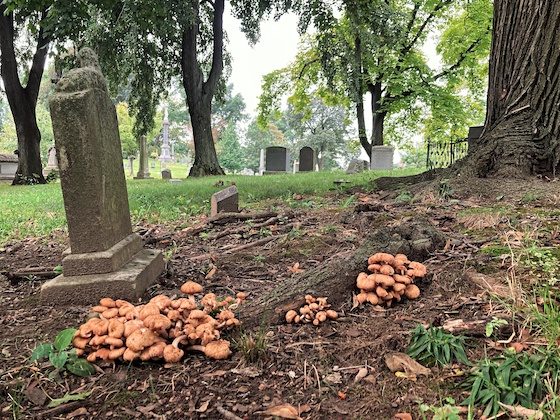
(23, 100)
(359, 93)
(200, 92)
(522, 130)
(377, 116)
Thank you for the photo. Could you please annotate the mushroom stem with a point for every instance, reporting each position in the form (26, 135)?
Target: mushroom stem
(178, 340)
(197, 347)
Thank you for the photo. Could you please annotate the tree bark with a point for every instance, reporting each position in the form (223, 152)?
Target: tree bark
(359, 93)
(522, 128)
(377, 115)
(23, 100)
(199, 92)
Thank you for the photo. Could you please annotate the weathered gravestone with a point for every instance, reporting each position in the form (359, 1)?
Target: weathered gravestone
(8, 167)
(357, 165)
(276, 160)
(52, 162)
(474, 134)
(306, 159)
(382, 157)
(226, 200)
(105, 258)
(166, 174)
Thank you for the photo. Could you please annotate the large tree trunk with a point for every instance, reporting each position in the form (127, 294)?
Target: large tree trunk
(521, 134)
(23, 100)
(359, 94)
(377, 115)
(200, 93)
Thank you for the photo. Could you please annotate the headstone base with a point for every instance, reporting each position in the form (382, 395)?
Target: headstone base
(128, 283)
(274, 172)
(104, 261)
(143, 177)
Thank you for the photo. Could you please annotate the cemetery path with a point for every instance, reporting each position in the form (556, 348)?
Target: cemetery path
(311, 368)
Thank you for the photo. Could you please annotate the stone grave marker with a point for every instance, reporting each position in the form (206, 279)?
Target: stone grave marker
(105, 259)
(382, 157)
(306, 159)
(277, 160)
(226, 200)
(52, 163)
(8, 167)
(357, 165)
(166, 174)
(143, 167)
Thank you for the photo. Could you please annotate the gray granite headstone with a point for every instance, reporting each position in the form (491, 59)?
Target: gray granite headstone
(357, 165)
(105, 257)
(166, 174)
(226, 200)
(276, 159)
(52, 162)
(474, 134)
(306, 159)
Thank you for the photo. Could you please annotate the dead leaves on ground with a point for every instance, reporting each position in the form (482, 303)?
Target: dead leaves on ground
(404, 366)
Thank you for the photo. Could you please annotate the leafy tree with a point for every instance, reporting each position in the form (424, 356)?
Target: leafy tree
(230, 152)
(126, 130)
(374, 47)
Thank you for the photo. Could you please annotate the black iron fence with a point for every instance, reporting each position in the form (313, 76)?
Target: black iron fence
(443, 155)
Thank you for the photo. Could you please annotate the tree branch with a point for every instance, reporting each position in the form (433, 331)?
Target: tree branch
(38, 63)
(8, 55)
(307, 64)
(218, 50)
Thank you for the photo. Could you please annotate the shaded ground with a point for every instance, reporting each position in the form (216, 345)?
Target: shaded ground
(312, 368)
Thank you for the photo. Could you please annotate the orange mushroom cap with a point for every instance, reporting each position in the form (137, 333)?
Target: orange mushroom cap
(191, 288)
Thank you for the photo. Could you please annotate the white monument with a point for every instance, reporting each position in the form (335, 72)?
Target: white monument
(165, 148)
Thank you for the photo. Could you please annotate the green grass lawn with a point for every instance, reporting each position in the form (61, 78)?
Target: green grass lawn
(37, 210)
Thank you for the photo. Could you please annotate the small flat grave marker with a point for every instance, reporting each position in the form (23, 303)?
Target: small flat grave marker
(226, 200)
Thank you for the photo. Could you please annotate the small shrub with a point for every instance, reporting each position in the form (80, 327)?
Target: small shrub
(494, 324)
(253, 345)
(512, 379)
(434, 346)
(448, 411)
(62, 356)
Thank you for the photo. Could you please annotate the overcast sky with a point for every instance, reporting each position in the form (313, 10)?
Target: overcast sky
(276, 48)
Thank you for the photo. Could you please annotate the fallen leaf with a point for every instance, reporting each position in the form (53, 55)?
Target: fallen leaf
(400, 362)
(333, 378)
(403, 375)
(147, 409)
(522, 412)
(284, 411)
(35, 395)
(211, 273)
(362, 373)
(403, 416)
(304, 408)
(342, 395)
(214, 374)
(203, 407)
(82, 411)
(249, 371)
(518, 347)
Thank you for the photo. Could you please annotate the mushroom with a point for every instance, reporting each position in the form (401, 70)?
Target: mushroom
(402, 279)
(399, 288)
(412, 291)
(172, 353)
(147, 310)
(417, 269)
(321, 316)
(387, 270)
(241, 296)
(362, 297)
(290, 316)
(119, 303)
(331, 314)
(372, 298)
(174, 315)
(99, 326)
(110, 313)
(113, 342)
(80, 342)
(155, 351)
(130, 356)
(131, 326)
(381, 257)
(116, 353)
(99, 308)
(365, 282)
(161, 301)
(140, 339)
(157, 322)
(125, 309)
(115, 328)
(191, 288)
(108, 302)
(207, 333)
(225, 315)
(381, 292)
(98, 340)
(374, 268)
(218, 349)
(383, 280)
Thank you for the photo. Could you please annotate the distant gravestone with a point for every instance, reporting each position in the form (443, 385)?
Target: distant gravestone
(166, 174)
(357, 165)
(143, 168)
(382, 158)
(474, 134)
(105, 258)
(8, 167)
(226, 200)
(276, 160)
(306, 159)
(52, 162)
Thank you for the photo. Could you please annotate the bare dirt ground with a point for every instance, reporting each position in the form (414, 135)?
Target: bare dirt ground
(311, 368)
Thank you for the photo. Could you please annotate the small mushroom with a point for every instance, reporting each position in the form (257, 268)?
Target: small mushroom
(365, 282)
(383, 280)
(108, 302)
(372, 298)
(362, 297)
(130, 355)
(115, 328)
(113, 342)
(174, 315)
(241, 296)
(209, 301)
(116, 353)
(131, 326)
(399, 287)
(374, 268)
(191, 288)
(161, 301)
(331, 314)
(80, 342)
(218, 349)
(381, 257)
(147, 310)
(110, 313)
(98, 340)
(99, 308)
(119, 303)
(100, 326)
(140, 339)
(381, 292)
(402, 279)
(155, 351)
(387, 270)
(157, 322)
(225, 315)
(172, 353)
(321, 316)
(412, 291)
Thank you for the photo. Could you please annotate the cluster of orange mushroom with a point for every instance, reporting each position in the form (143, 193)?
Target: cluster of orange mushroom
(391, 277)
(315, 310)
(156, 330)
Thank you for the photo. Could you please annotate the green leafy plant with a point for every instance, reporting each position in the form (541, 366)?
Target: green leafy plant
(404, 197)
(434, 346)
(62, 356)
(252, 345)
(445, 191)
(543, 262)
(512, 379)
(494, 324)
(448, 411)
